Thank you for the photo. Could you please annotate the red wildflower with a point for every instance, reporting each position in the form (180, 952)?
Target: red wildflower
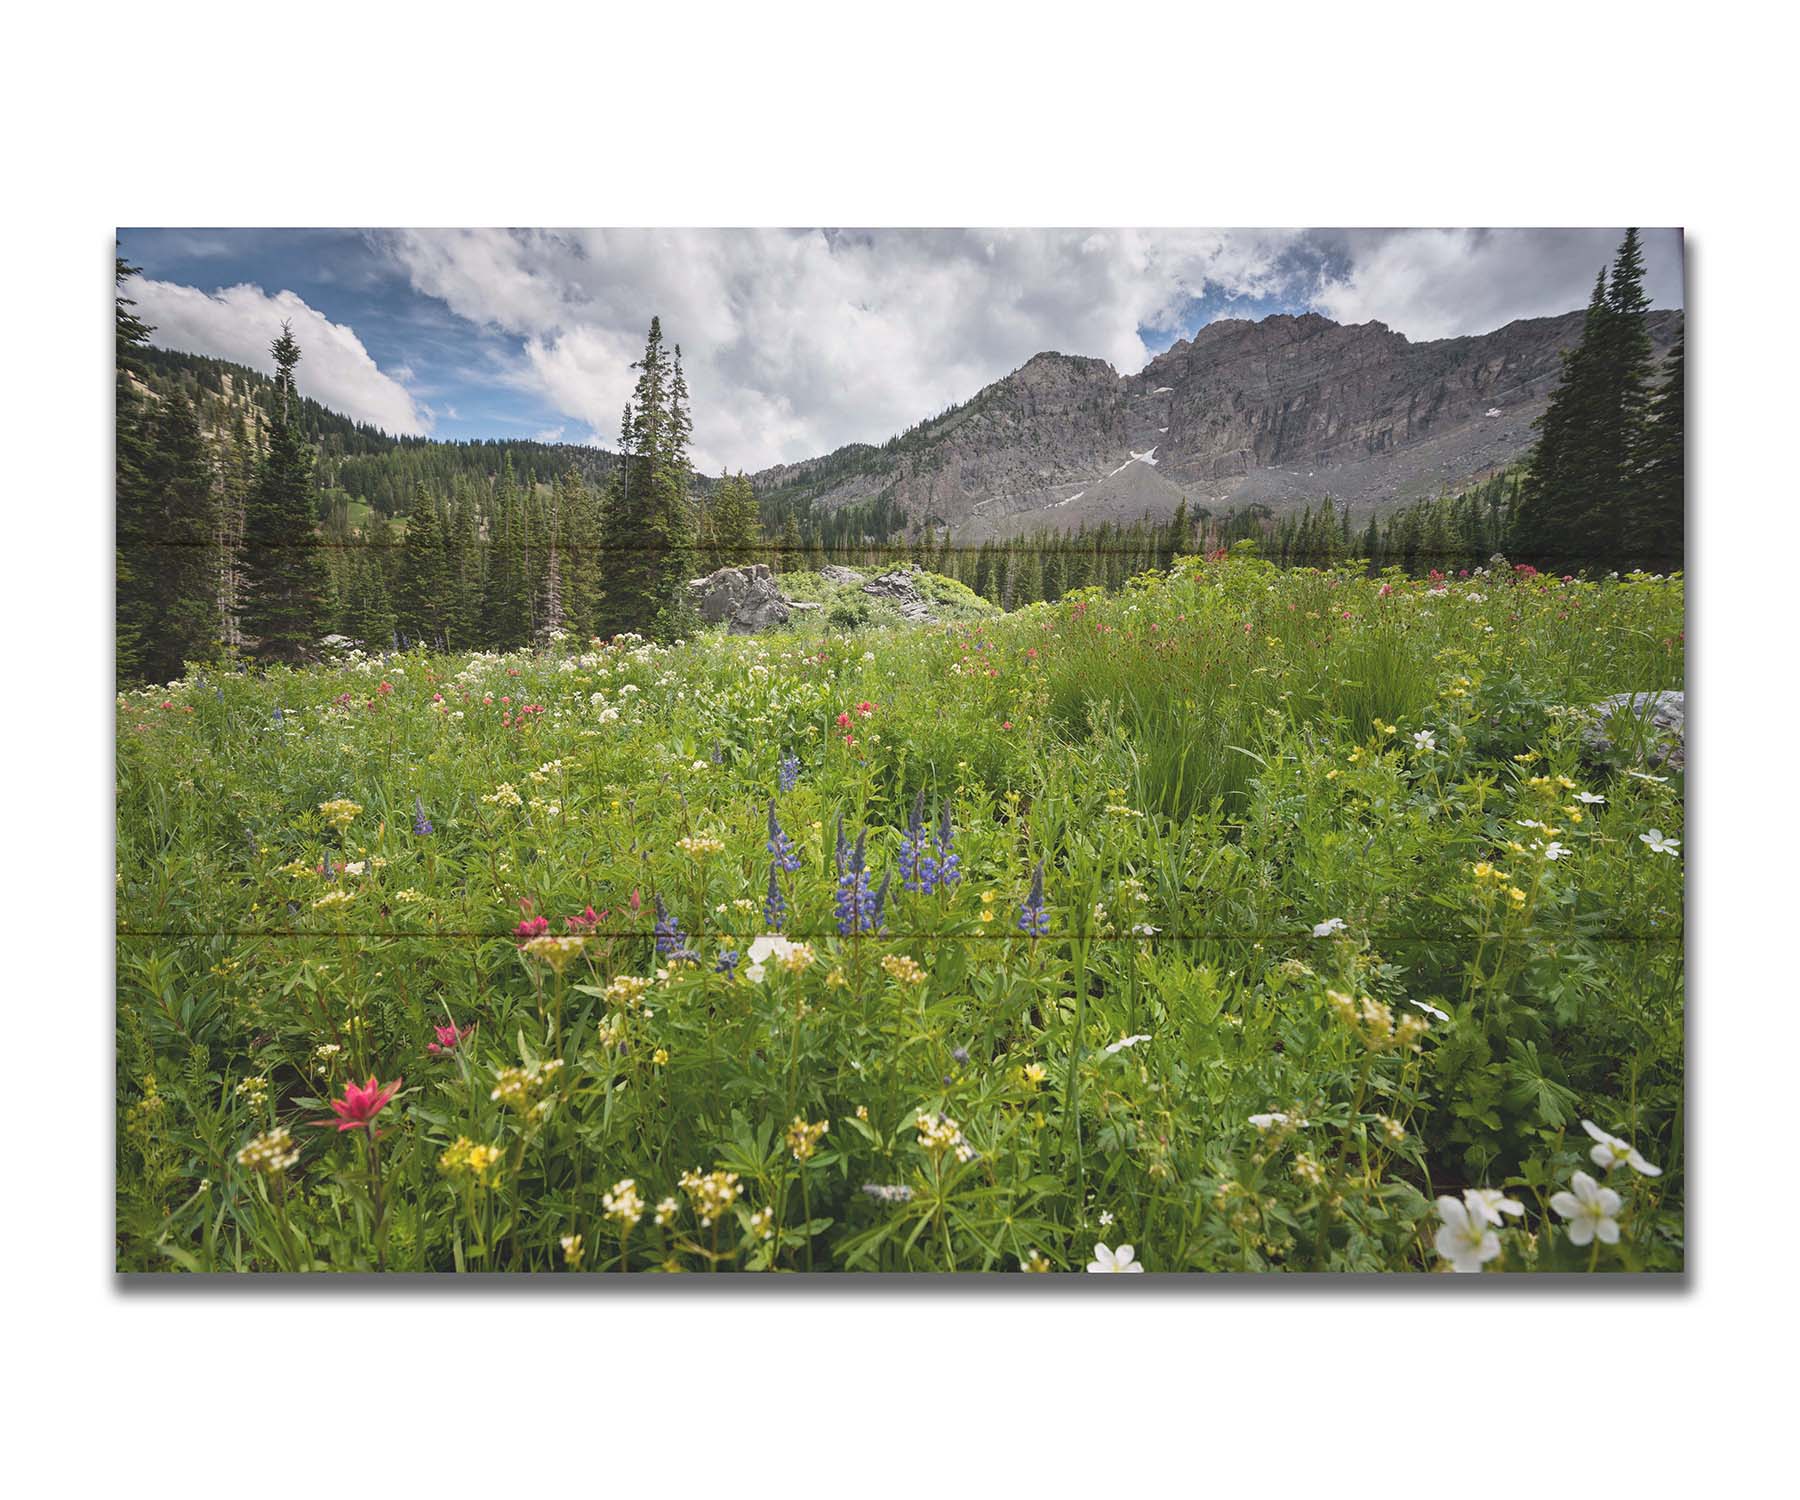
(585, 922)
(360, 1104)
(843, 721)
(865, 708)
(447, 1038)
(636, 900)
(385, 688)
(532, 927)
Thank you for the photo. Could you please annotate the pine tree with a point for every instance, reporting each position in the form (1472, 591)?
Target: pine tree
(424, 575)
(550, 599)
(368, 613)
(1566, 467)
(284, 569)
(237, 481)
(179, 585)
(1577, 504)
(463, 625)
(734, 530)
(647, 533)
(791, 546)
(1660, 498)
(504, 584)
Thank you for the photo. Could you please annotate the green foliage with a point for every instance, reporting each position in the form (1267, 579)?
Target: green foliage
(1584, 503)
(647, 534)
(283, 563)
(1211, 766)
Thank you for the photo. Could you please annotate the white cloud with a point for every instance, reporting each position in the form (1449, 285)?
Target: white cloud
(1440, 283)
(239, 322)
(796, 342)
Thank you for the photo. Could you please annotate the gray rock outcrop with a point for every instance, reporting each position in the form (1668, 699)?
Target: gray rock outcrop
(1641, 727)
(899, 589)
(745, 600)
(1280, 412)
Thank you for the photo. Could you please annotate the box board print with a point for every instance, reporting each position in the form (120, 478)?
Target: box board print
(899, 751)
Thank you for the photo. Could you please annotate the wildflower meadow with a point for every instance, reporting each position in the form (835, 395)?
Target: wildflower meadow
(1242, 920)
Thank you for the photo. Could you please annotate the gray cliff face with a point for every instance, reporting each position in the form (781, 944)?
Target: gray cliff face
(1281, 411)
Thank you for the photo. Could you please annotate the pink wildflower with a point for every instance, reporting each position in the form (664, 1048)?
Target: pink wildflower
(360, 1104)
(447, 1039)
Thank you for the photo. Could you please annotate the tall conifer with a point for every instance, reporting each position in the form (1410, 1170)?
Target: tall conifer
(284, 568)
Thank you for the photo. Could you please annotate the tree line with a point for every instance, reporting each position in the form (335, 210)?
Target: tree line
(252, 519)
(234, 534)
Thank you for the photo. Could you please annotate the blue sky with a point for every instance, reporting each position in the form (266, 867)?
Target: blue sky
(454, 366)
(797, 341)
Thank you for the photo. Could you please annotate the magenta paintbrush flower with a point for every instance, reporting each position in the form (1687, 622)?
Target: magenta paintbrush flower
(447, 1039)
(360, 1104)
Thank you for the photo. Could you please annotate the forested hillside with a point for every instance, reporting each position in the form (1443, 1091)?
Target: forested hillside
(252, 519)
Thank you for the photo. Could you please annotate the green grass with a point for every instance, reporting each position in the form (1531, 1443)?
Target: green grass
(1229, 755)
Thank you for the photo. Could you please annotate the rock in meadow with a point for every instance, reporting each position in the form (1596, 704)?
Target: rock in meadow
(1649, 727)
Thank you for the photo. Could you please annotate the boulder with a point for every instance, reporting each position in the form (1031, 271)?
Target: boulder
(745, 600)
(1648, 727)
(832, 573)
(899, 589)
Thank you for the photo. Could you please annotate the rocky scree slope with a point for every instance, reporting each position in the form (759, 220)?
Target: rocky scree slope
(1281, 411)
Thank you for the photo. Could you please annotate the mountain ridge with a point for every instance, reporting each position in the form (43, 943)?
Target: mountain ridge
(1279, 410)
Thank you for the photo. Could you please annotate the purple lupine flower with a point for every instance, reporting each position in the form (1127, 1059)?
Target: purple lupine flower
(780, 845)
(718, 754)
(421, 824)
(671, 941)
(912, 846)
(788, 772)
(872, 905)
(326, 870)
(1033, 919)
(774, 908)
(278, 716)
(948, 865)
(853, 895)
(728, 962)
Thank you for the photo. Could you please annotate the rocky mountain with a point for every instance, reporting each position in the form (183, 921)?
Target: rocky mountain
(1279, 412)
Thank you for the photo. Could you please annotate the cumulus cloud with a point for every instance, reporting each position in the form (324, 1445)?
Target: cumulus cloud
(796, 342)
(239, 322)
(1440, 283)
